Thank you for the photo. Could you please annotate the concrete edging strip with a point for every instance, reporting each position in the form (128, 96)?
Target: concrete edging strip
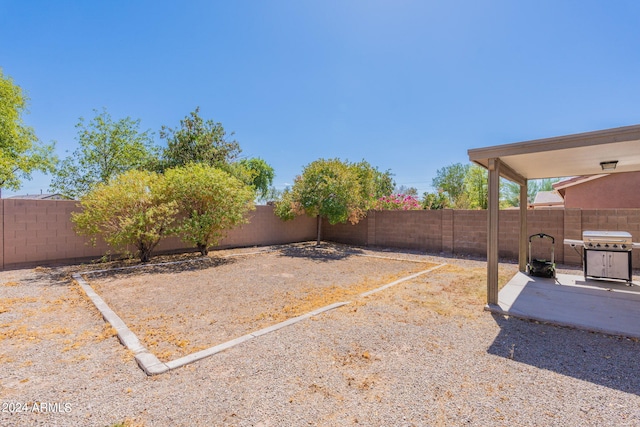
(388, 257)
(404, 279)
(151, 365)
(190, 358)
(146, 360)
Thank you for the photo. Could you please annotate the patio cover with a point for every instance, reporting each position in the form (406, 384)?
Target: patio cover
(569, 155)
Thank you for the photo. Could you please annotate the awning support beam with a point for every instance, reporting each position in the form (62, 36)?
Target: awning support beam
(511, 175)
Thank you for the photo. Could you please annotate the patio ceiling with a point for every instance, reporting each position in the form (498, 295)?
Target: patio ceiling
(569, 155)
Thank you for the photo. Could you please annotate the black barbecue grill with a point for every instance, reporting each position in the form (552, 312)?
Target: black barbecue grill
(606, 254)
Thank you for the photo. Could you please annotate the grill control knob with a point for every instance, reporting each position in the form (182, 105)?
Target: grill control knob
(623, 246)
(590, 244)
(615, 246)
(606, 245)
(597, 245)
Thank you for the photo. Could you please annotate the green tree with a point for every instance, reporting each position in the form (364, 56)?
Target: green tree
(330, 189)
(511, 190)
(434, 201)
(476, 187)
(211, 202)
(450, 180)
(409, 191)
(130, 210)
(272, 196)
(374, 184)
(255, 172)
(510, 194)
(197, 141)
(206, 142)
(21, 153)
(107, 149)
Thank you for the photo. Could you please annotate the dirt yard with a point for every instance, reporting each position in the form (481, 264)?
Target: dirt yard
(421, 353)
(178, 309)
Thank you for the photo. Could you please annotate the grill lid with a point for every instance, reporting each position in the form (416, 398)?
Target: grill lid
(607, 239)
(610, 236)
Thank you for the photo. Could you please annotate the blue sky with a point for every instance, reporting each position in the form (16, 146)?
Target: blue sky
(409, 86)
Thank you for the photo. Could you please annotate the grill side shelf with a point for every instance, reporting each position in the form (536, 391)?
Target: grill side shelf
(574, 243)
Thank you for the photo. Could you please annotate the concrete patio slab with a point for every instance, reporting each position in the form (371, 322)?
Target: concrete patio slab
(569, 300)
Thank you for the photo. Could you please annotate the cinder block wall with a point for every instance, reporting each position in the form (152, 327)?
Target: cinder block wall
(36, 232)
(41, 231)
(548, 221)
(572, 230)
(265, 228)
(350, 234)
(392, 229)
(408, 229)
(469, 232)
(463, 232)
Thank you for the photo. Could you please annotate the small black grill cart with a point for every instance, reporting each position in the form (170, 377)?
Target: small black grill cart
(542, 267)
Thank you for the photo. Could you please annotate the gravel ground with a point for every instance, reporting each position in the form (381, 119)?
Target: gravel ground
(421, 353)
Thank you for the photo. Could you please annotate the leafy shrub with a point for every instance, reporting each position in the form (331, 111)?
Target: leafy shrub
(130, 210)
(211, 201)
